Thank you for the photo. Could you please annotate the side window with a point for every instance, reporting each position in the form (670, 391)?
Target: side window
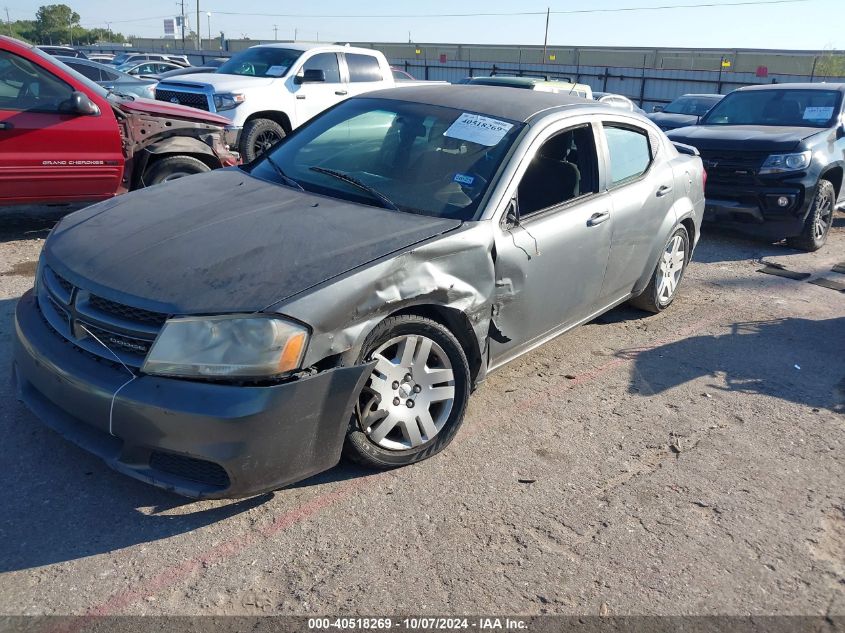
(327, 62)
(565, 167)
(363, 68)
(110, 76)
(630, 153)
(26, 86)
(88, 71)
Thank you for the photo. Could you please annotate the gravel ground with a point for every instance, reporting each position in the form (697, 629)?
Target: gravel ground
(685, 463)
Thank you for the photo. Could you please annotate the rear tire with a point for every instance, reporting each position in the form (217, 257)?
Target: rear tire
(667, 275)
(415, 399)
(258, 136)
(172, 168)
(819, 220)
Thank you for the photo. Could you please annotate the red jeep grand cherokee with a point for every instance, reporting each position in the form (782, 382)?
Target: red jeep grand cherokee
(63, 138)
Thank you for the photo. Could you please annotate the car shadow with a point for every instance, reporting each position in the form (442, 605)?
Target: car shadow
(31, 222)
(798, 360)
(719, 244)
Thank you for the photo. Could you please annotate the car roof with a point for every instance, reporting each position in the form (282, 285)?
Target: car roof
(795, 86)
(305, 46)
(701, 94)
(494, 101)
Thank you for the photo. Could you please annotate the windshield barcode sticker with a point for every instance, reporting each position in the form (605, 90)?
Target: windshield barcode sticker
(817, 113)
(276, 71)
(478, 129)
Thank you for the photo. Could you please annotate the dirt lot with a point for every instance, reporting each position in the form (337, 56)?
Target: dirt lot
(686, 463)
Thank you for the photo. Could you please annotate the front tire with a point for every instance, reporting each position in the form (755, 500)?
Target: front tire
(663, 287)
(172, 168)
(414, 401)
(258, 136)
(819, 220)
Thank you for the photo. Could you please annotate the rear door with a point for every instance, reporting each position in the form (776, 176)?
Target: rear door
(314, 97)
(640, 182)
(365, 73)
(50, 155)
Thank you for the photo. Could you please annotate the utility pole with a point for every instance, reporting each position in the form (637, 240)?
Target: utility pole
(183, 24)
(546, 38)
(208, 15)
(70, 28)
(199, 27)
(276, 32)
(108, 27)
(295, 34)
(9, 22)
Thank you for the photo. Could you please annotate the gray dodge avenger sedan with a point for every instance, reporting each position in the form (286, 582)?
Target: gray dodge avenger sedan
(236, 331)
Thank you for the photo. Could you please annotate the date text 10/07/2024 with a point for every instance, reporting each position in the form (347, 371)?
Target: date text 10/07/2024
(421, 623)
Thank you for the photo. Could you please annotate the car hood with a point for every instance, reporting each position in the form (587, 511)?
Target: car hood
(668, 121)
(224, 241)
(747, 137)
(220, 82)
(173, 110)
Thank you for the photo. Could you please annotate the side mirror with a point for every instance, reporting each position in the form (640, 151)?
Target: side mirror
(658, 108)
(512, 214)
(79, 103)
(840, 131)
(312, 76)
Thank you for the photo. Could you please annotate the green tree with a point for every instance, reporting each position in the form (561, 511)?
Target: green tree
(55, 23)
(831, 65)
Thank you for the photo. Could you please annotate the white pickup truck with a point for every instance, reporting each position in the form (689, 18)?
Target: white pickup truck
(272, 89)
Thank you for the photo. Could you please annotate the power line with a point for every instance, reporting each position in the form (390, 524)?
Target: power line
(518, 13)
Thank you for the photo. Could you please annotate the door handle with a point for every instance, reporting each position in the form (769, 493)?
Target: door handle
(598, 218)
(300, 96)
(341, 93)
(664, 189)
(5, 125)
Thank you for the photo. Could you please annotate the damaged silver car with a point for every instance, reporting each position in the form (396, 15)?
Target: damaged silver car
(236, 331)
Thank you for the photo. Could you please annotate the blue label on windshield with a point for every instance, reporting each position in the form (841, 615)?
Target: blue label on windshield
(464, 179)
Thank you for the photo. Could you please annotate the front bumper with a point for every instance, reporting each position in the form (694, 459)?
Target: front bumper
(194, 438)
(754, 209)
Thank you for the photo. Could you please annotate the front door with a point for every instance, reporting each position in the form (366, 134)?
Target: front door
(314, 97)
(47, 154)
(550, 267)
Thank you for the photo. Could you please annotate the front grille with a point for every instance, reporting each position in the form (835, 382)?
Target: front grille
(197, 470)
(91, 322)
(117, 341)
(193, 99)
(128, 313)
(732, 167)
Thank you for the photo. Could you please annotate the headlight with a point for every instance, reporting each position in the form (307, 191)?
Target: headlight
(241, 346)
(777, 163)
(228, 101)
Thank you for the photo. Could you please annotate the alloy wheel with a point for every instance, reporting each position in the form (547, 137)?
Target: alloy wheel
(824, 216)
(671, 269)
(265, 141)
(409, 395)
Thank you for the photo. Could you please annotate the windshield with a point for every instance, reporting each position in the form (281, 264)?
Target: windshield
(697, 106)
(785, 107)
(414, 157)
(260, 62)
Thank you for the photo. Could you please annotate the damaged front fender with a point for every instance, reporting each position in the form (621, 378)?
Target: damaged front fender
(454, 271)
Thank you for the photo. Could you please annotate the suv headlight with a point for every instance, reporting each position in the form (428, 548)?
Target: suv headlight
(235, 346)
(229, 100)
(777, 163)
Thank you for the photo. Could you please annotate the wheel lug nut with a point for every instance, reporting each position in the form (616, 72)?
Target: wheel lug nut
(417, 388)
(410, 404)
(396, 401)
(407, 377)
(395, 385)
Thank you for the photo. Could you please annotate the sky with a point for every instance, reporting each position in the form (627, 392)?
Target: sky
(803, 24)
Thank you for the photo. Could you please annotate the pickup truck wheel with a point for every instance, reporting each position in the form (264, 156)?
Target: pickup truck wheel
(415, 398)
(819, 220)
(663, 287)
(258, 136)
(172, 168)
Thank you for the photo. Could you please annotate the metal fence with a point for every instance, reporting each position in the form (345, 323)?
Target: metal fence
(645, 86)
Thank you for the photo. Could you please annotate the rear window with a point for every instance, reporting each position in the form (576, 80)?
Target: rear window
(630, 153)
(363, 68)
